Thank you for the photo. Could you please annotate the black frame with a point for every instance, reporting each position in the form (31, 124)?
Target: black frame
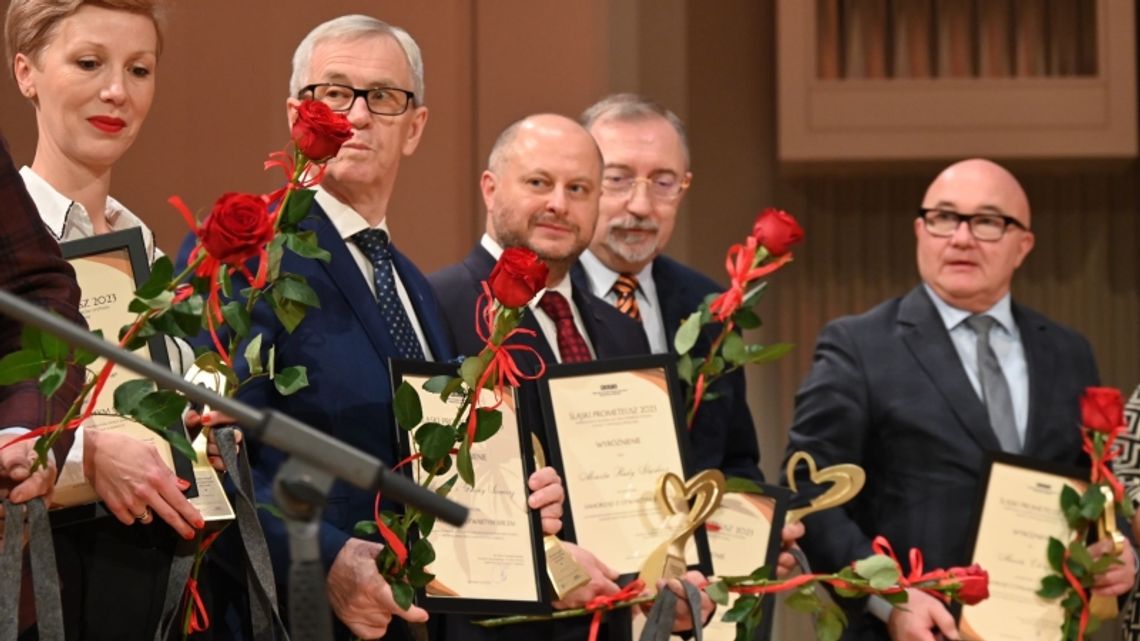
(668, 364)
(131, 241)
(463, 605)
(1071, 473)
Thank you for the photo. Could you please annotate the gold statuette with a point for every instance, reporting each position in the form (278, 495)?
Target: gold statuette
(211, 500)
(705, 490)
(564, 572)
(846, 481)
(1101, 606)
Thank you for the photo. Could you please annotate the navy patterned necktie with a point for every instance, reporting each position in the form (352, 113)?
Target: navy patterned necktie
(995, 389)
(374, 244)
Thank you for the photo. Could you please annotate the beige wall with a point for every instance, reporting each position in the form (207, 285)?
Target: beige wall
(219, 111)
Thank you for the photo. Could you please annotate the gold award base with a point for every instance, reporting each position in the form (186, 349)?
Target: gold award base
(705, 490)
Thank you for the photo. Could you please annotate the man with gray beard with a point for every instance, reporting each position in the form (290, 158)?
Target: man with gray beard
(645, 176)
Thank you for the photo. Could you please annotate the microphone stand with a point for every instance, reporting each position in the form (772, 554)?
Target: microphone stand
(302, 483)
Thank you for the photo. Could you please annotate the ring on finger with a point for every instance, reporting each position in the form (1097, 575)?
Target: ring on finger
(145, 516)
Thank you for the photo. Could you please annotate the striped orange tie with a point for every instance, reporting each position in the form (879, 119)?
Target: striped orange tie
(626, 289)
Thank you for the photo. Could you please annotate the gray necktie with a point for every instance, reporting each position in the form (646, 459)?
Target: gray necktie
(995, 389)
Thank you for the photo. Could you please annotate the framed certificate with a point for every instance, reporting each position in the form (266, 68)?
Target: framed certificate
(495, 564)
(614, 427)
(109, 268)
(1020, 508)
(744, 534)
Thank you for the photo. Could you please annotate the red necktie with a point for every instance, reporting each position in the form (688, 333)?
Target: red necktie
(571, 346)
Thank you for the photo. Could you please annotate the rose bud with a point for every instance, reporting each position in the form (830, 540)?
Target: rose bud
(237, 229)
(776, 230)
(319, 132)
(1102, 409)
(517, 277)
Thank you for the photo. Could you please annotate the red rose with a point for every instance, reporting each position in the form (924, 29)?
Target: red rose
(319, 132)
(237, 229)
(1102, 409)
(973, 584)
(517, 277)
(777, 231)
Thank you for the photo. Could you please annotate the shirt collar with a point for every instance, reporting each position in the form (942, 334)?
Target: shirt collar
(564, 286)
(344, 218)
(602, 278)
(58, 212)
(952, 316)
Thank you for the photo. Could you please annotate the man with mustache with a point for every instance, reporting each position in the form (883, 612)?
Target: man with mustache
(917, 390)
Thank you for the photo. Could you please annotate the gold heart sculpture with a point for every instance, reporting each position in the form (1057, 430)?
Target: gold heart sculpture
(846, 480)
(705, 490)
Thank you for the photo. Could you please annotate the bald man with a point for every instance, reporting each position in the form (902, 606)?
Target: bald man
(902, 392)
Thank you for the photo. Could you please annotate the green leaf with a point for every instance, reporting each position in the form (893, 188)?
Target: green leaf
(445, 489)
(829, 626)
(806, 601)
(427, 523)
(252, 355)
(741, 485)
(733, 349)
(179, 443)
(1070, 499)
(745, 318)
(767, 353)
(434, 440)
(1092, 503)
(128, 395)
(880, 570)
(297, 207)
(158, 410)
(741, 608)
(688, 333)
(403, 594)
(21, 366)
(452, 386)
(718, 592)
(289, 313)
(1053, 586)
(237, 318)
(365, 528)
(1079, 554)
(296, 288)
(161, 273)
(1055, 552)
(291, 380)
(487, 423)
(470, 371)
(53, 347)
(406, 406)
(1103, 563)
(463, 464)
(436, 466)
(685, 369)
(276, 251)
(435, 384)
(753, 296)
(52, 378)
(305, 244)
(422, 553)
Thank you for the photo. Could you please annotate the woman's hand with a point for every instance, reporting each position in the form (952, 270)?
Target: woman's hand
(195, 421)
(132, 479)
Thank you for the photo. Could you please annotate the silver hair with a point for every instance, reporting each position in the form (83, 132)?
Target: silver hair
(630, 107)
(350, 28)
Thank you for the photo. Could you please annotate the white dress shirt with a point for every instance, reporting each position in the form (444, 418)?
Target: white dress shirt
(347, 222)
(545, 322)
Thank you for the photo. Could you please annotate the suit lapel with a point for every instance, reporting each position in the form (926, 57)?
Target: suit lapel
(346, 276)
(927, 339)
(1040, 362)
(426, 309)
(671, 296)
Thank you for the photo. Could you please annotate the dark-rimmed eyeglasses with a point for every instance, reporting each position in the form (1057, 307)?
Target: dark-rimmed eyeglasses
(382, 101)
(987, 227)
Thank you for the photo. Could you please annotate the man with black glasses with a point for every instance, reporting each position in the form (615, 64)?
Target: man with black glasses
(919, 388)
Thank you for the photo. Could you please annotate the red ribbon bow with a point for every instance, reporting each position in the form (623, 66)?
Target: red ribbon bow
(601, 604)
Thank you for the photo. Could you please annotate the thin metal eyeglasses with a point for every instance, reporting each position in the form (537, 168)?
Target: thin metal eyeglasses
(382, 101)
(660, 187)
(986, 227)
